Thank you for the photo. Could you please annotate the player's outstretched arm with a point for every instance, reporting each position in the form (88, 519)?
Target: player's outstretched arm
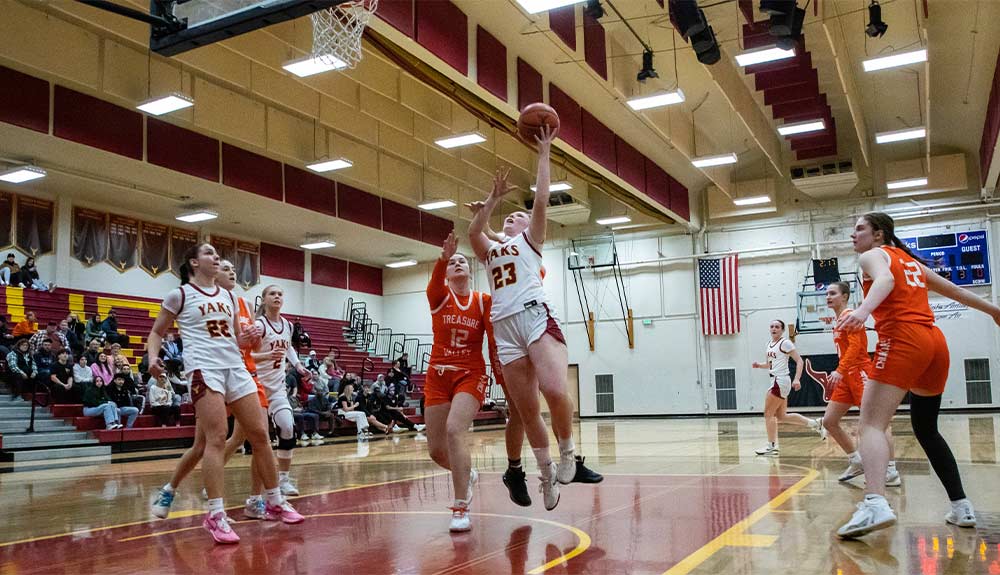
(474, 207)
(538, 224)
(939, 285)
(875, 263)
(436, 289)
(477, 229)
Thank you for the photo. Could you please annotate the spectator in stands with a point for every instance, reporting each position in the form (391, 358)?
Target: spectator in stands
(320, 404)
(123, 366)
(171, 350)
(82, 374)
(380, 385)
(348, 408)
(61, 384)
(396, 375)
(50, 333)
(103, 367)
(161, 402)
(22, 367)
(6, 338)
(300, 338)
(393, 405)
(371, 403)
(110, 328)
(68, 329)
(96, 402)
(404, 365)
(26, 327)
(333, 372)
(44, 360)
(351, 378)
(305, 421)
(93, 350)
(10, 272)
(30, 278)
(92, 330)
(179, 384)
(312, 363)
(129, 403)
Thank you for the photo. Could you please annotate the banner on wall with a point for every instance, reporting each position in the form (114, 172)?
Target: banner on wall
(247, 264)
(90, 236)
(6, 219)
(123, 242)
(180, 241)
(154, 250)
(33, 227)
(225, 247)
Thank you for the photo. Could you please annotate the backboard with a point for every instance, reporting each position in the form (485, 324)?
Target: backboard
(593, 252)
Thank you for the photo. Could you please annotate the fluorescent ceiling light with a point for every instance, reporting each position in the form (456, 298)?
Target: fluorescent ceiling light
(460, 140)
(166, 104)
(560, 186)
(319, 244)
(752, 200)
(900, 135)
(536, 6)
(330, 165)
(709, 161)
(436, 205)
(22, 174)
(613, 220)
(895, 60)
(761, 55)
(801, 127)
(908, 193)
(402, 264)
(656, 100)
(312, 65)
(908, 183)
(198, 216)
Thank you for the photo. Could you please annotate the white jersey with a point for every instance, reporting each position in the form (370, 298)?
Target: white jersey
(271, 373)
(515, 276)
(206, 323)
(777, 357)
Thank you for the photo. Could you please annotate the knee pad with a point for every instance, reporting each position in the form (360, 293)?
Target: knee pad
(285, 423)
(286, 445)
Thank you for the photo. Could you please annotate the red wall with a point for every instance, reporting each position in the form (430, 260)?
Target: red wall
(364, 278)
(442, 29)
(24, 100)
(282, 262)
(330, 272)
(491, 63)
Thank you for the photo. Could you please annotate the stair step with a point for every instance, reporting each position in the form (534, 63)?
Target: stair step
(8, 426)
(64, 452)
(46, 439)
(23, 412)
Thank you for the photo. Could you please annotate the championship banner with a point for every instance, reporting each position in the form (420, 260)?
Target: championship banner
(180, 241)
(154, 248)
(6, 219)
(34, 225)
(225, 247)
(247, 264)
(123, 242)
(90, 236)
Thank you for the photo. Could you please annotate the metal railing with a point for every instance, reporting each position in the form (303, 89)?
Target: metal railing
(367, 365)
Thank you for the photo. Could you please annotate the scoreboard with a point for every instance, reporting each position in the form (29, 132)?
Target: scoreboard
(962, 257)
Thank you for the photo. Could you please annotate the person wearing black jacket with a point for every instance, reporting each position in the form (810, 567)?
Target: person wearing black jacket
(21, 367)
(110, 329)
(392, 409)
(61, 384)
(44, 360)
(124, 395)
(372, 404)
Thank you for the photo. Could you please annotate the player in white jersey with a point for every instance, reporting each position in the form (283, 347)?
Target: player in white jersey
(778, 351)
(274, 350)
(530, 345)
(207, 318)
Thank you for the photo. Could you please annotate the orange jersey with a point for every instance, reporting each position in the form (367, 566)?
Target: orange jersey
(907, 303)
(852, 349)
(459, 324)
(246, 319)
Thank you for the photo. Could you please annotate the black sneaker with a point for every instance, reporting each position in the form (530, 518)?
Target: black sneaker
(585, 474)
(517, 486)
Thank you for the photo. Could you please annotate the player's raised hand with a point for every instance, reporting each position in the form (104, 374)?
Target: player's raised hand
(853, 321)
(545, 137)
(500, 185)
(474, 207)
(449, 247)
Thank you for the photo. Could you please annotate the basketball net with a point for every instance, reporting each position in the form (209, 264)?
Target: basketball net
(337, 32)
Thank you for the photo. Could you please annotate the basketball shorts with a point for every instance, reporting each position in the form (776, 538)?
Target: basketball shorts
(442, 384)
(261, 393)
(276, 401)
(233, 383)
(850, 389)
(515, 333)
(912, 356)
(781, 385)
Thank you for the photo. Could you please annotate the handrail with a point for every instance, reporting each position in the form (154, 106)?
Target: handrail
(378, 338)
(365, 362)
(425, 361)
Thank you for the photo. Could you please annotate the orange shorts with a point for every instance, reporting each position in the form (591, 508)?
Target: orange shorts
(442, 385)
(850, 389)
(912, 356)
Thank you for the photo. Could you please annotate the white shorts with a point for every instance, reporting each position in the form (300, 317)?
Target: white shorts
(781, 386)
(276, 401)
(233, 383)
(515, 333)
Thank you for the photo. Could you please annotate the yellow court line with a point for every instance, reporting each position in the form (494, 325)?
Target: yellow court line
(182, 512)
(695, 559)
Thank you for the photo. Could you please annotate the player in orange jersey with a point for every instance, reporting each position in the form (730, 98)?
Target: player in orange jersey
(911, 355)
(846, 385)
(456, 377)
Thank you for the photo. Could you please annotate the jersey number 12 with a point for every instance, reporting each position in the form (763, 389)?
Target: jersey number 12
(458, 338)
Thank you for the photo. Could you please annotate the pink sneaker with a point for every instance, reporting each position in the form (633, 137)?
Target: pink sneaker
(218, 526)
(285, 512)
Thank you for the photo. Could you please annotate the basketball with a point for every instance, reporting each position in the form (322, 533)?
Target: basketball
(533, 117)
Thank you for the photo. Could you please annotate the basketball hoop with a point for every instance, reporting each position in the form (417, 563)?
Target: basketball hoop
(337, 32)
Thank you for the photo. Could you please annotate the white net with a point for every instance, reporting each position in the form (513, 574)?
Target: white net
(337, 32)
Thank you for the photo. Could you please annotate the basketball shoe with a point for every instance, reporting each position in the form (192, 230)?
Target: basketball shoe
(218, 526)
(161, 505)
(873, 513)
(961, 514)
(285, 512)
(585, 474)
(517, 486)
(254, 508)
(549, 487)
(287, 486)
(853, 470)
(768, 449)
(460, 521)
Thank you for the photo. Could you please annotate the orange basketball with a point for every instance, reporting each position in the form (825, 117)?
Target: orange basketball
(533, 117)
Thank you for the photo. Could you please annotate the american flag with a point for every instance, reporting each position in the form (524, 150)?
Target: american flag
(720, 295)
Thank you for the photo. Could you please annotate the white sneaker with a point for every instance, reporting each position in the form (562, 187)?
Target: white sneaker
(304, 440)
(204, 494)
(768, 449)
(419, 427)
(287, 486)
(549, 487)
(892, 477)
(460, 521)
(961, 514)
(873, 513)
(398, 429)
(853, 470)
(820, 429)
(316, 439)
(254, 508)
(473, 478)
(566, 470)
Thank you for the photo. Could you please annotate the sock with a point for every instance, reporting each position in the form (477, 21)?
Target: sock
(461, 503)
(282, 475)
(216, 506)
(168, 488)
(566, 446)
(892, 465)
(273, 496)
(543, 458)
(855, 456)
(514, 463)
(874, 497)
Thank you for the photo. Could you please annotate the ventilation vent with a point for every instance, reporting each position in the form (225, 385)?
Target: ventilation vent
(725, 389)
(977, 381)
(826, 180)
(564, 208)
(605, 385)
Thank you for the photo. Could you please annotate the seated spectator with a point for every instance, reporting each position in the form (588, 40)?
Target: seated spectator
(161, 402)
(320, 404)
(6, 338)
(92, 331)
(380, 385)
(72, 338)
(395, 402)
(61, 384)
(305, 421)
(110, 329)
(396, 374)
(370, 403)
(348, 408)
(179, 384)
(312, 363)
(10, 272)
(300, 339)
(122, 365)
(50, 333)
(96, 402)
(26, 327)
(125, 397)
(103, 367)
(44, 360)
(404, 365)
(30, 278)
(292, 378)
(93, 350)
(172, 351)
(22, 367)
(82, 374)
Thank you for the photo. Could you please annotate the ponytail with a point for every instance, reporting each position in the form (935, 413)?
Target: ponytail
(190, 254)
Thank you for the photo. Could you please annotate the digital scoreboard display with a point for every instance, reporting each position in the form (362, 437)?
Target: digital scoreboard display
(961, 257)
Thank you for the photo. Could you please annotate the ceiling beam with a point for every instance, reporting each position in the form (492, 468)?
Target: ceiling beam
(838, 45)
